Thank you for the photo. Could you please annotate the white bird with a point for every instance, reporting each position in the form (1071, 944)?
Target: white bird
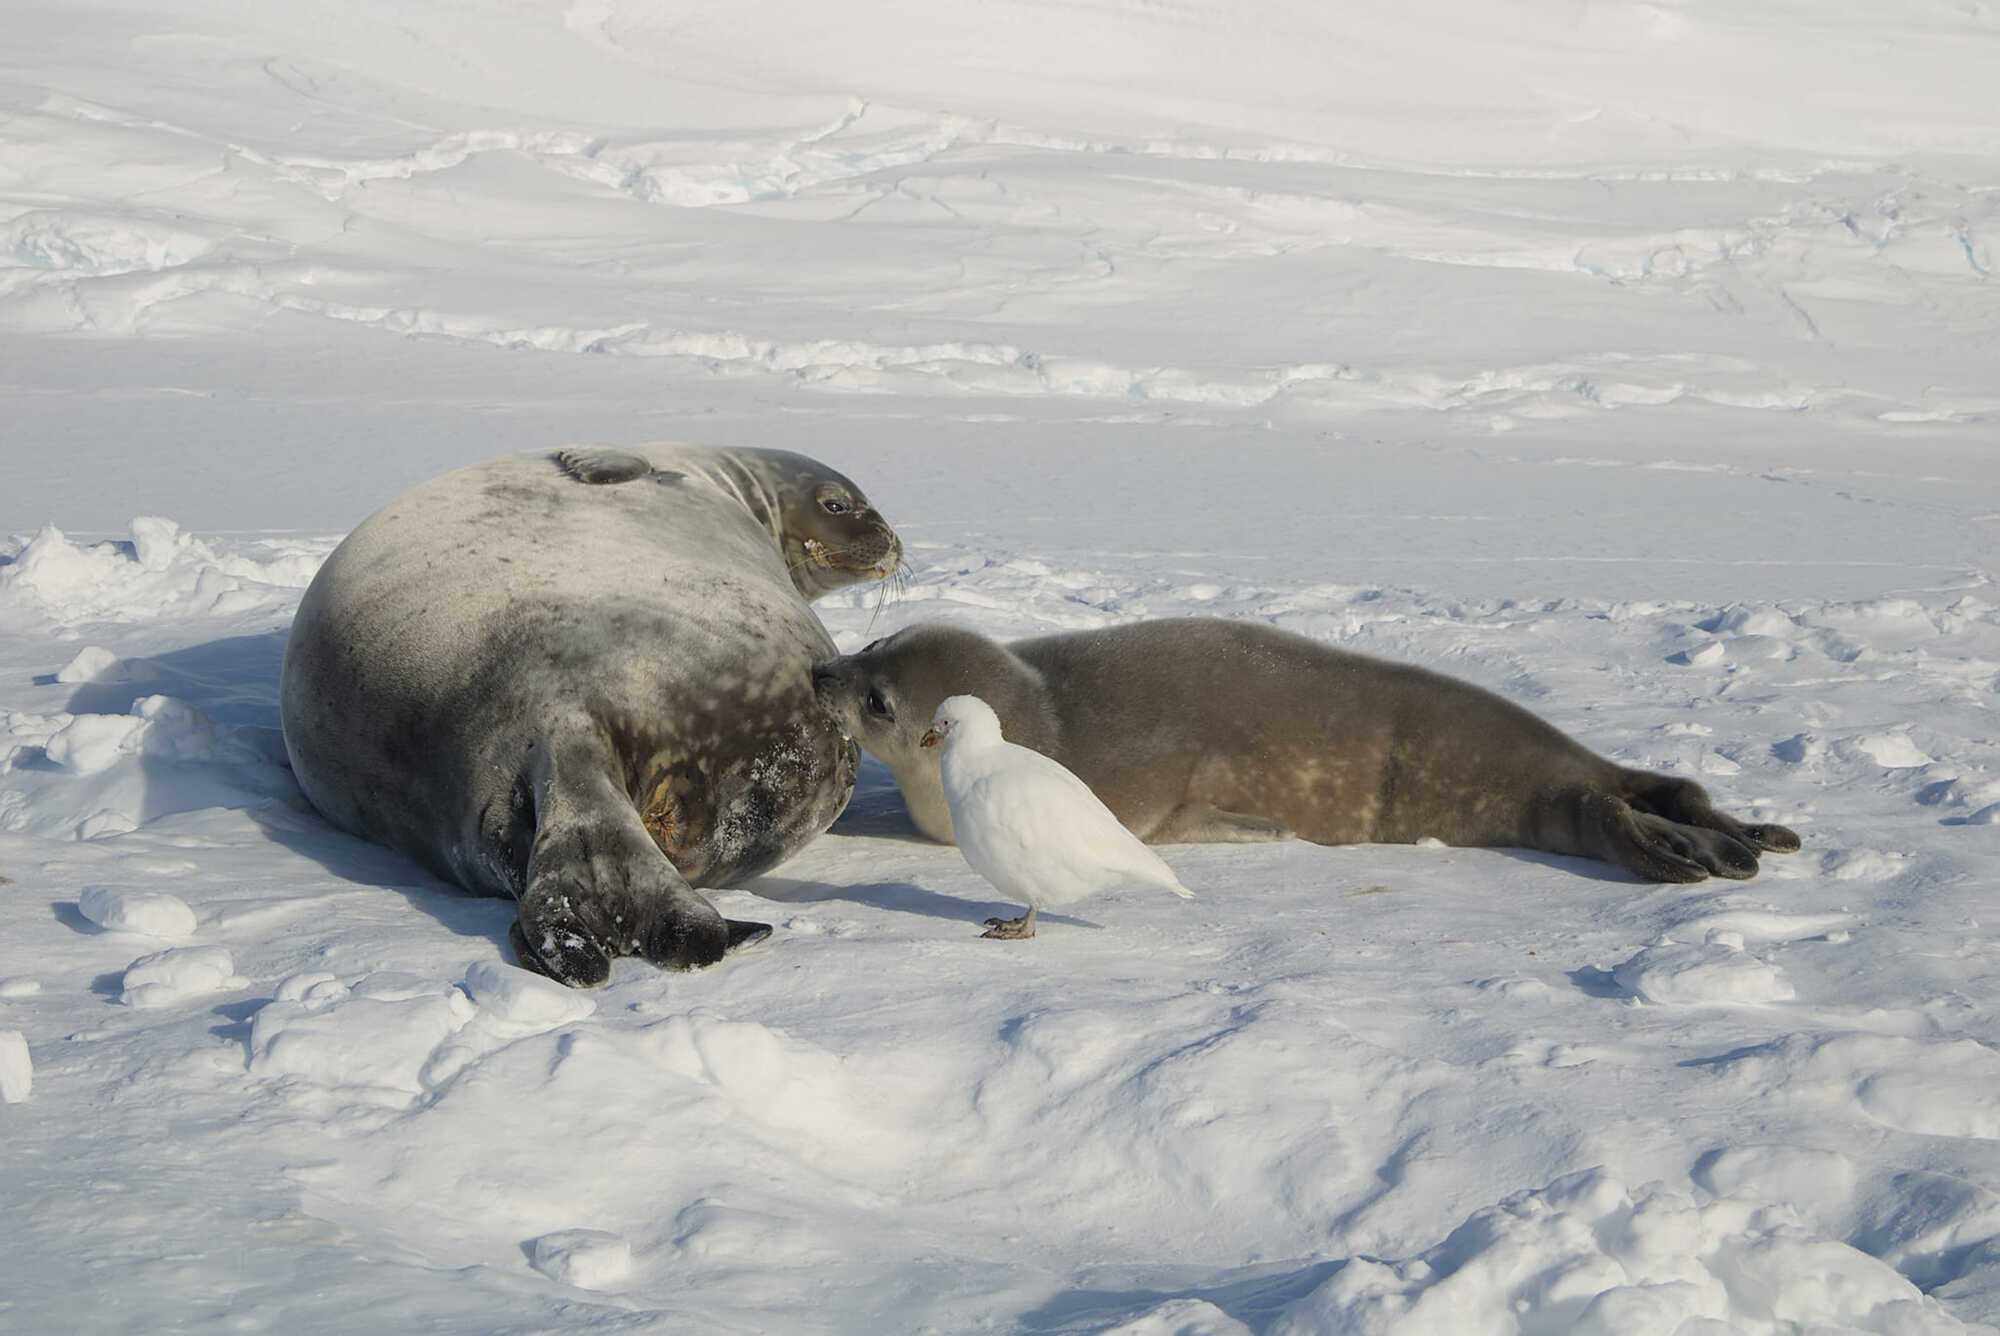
(1029, 826)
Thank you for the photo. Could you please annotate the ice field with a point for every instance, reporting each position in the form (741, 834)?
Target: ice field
(1638, 361)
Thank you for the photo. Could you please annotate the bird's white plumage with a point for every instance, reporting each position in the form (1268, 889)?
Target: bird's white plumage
(1028, 825)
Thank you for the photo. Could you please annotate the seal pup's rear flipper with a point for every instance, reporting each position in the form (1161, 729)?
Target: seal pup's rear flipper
(1657, 849)
(1686, 802)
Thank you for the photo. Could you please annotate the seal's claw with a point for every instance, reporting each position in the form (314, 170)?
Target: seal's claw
(570, 958)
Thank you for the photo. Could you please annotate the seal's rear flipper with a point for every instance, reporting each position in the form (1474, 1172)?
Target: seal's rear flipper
(1657, 849)
(1686, 802)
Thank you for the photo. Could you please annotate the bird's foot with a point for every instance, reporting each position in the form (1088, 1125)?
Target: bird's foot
(1014, 929)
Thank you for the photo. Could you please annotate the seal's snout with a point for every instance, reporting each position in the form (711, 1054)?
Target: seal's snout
(825, 678)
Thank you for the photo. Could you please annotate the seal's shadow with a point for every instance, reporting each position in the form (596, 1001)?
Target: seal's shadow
(877, 809)
(234, 681)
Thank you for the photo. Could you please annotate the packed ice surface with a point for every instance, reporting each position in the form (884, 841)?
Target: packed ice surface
(1634, 361)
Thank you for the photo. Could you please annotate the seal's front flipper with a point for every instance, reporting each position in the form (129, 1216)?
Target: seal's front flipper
(1198, 823)
(597, 886)
(563, 954)
(742, 933)
(596, 464)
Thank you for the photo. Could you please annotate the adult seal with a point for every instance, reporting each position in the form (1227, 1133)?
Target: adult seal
(1196, 730)
(582, 679)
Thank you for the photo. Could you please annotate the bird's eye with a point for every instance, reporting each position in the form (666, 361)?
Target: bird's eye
(833, 505)
(878, 705)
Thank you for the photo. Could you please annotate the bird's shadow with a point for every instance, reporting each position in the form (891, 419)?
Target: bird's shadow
(899, 897)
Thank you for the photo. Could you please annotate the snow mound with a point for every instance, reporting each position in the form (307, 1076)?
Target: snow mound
(1757, 922)
(1891, 751)
(91, 663)
(19, 986)
(590, 1259)
(78, 242)
(176, 975)
(1717, 971)
(1932, 1087)
(1585, 1256)
(394, 1032)
(158, 726)
(1812, 1180)
(1748, 619)
(513, 995)
(380, 1031)
(1934, 1228)
(154, 913)
(1863, 864)
(160, 572)
(1181, 1317)
(17, 1069)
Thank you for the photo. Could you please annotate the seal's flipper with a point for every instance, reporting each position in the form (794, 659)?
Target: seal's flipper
(1687, 802)
(1198, 823)
(598, 887)
(1711, 850)
(597, 464)
(745, 933)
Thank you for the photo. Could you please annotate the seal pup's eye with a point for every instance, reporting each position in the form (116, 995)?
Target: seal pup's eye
(878, 705)
(833, 505)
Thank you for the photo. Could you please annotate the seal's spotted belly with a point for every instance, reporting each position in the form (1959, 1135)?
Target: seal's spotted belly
(723, 825)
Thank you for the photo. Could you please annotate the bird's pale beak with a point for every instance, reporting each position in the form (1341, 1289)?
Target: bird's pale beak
(929, 739)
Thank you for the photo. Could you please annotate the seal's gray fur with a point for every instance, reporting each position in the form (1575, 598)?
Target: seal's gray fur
(581, 679)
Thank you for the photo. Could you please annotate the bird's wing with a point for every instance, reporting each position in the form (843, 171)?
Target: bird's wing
(1030, 814)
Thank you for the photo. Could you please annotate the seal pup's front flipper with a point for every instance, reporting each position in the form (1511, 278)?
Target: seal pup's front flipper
(598, 887)
(1198, 823)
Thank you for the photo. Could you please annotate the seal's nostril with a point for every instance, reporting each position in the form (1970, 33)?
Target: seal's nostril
(823, 676)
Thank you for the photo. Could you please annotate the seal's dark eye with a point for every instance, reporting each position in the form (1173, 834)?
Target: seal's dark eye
(833, 505)
(878, 705)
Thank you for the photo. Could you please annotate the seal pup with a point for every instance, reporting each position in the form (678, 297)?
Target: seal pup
(1200, 730)
(582, 678)
(1029, 826)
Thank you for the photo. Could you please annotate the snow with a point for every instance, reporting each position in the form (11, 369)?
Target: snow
(17, 1070)
(177, 975)
(590, 1259)
(153, 913)
(1584, 1255)
(1633, 361)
